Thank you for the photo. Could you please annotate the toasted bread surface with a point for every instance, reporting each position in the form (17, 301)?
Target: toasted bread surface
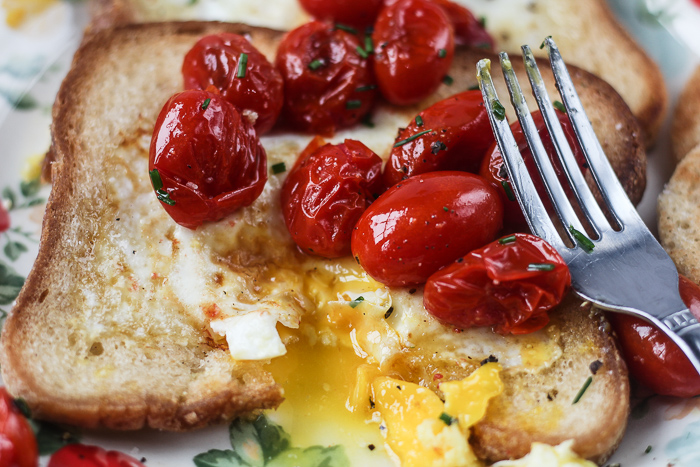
(679, 216)
(685, 126)
(90, 343)
(587, 34)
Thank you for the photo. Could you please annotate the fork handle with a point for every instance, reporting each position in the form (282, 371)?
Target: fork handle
(685, 331)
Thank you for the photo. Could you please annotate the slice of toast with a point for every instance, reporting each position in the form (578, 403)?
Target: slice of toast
(111, 328)
(587, 34)
(685, 126)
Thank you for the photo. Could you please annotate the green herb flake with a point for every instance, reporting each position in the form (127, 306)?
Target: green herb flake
(508, 189)
(367, 121)
(369, 45)
(582, 391)
(442, 53)
(278, 168)
(369, 87)
(23, 407)
(419, 120)
(448, 80)
(411, 138)
(353, 104)
(498, 110)
(346, 28)
(445, 208)
(388, 312)
(357, 301)
(242, 65)
(205, 104)
(559, 106)
(361, 52)
(316, 64)
(582, 240)
(473, 88)
(648, 449)
(507, 240)
(542, 44)
(447, 419)
(155, 179)
(540, 267)
(482, 21)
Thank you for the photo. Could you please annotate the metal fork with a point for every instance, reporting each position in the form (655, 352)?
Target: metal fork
(618, 268)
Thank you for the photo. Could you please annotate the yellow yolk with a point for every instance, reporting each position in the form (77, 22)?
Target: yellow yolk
(18, 10)
(418, 426)
(32, 167)
(543, 455)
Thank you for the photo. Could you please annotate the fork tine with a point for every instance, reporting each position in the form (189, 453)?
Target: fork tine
(524, 189)
(556, 192)
(608, 184)
(576, 179)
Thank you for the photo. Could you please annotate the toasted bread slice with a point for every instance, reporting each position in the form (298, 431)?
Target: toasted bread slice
(679, 216)
(587, 34)
(685, 126)
(111, 328)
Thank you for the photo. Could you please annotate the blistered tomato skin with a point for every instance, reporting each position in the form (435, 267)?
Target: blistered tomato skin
(18, 447)
(326, 193)
(254, 87)
(425, 223)
(460, 136)
(327, 84)
(356, 13)
(498, 285)
(81, 455)
(468, 30)
(208, 157)
(414, 45)
(652, 357)
(492, 167)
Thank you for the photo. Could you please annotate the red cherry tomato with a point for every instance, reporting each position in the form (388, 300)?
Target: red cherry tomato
(254, 87)
(208, 158)
(81, 455)
(357, 13)
(509, 284)
(325, 194)
(327, 84)
(652, 357)
(492, 167)
(4, 218)
(414, 46)
(460, 136)
(424, 223)
(468, 30)
(18, 446)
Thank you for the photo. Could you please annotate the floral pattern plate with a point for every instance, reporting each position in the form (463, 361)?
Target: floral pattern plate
(33, 59)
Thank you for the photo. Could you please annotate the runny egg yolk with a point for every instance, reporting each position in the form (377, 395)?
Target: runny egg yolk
(18, 10)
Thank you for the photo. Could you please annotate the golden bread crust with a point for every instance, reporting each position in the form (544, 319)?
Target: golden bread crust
(685, 126)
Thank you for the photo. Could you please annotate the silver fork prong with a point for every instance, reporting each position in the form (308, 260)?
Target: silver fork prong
(562, 205)
(587, 202)
(608, 184)
(524, 189)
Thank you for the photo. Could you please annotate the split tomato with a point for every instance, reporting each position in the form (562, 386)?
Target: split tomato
(468, 30)
(414, 46)
(356, 13)
(18, 446)
(453, 134)
(326, 193)
(205, 161)
(240, 72)
(425, 223)
(652, 357)
(81, 455)
(509, 284)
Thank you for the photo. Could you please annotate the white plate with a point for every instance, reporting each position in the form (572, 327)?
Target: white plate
(28, 61)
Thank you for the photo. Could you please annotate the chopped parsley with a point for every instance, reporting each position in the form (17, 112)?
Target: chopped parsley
(447, 419)
(508, 189)
(279, 168)
(473, 88)
(346, 28)
(559, 106)
(542, 44)
(353, 104)
(357, 301)
(316, 64)
(369, 45)
(367, 121)
(507, 240)
(582, 391)
(361, 52)
(448, 80)
(162, 195)
(369, 87)
(388, 312)
(419, 120)
(442, 53)
(584, 242)
(411, 138)
(242, 65)
(205, 104)
(498, 110)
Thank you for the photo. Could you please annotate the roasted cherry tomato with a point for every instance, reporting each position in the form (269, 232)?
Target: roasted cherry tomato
(425, 223)
(652, 357)
(458, 136)
(492, 167)
(326, 193)
(206, 161)
(327, 83)
(356, 13)
(468, 30)
(414, 46)
(509, 284)
(18, 446)
(242, 75)
(81, 455)
(4, 218)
